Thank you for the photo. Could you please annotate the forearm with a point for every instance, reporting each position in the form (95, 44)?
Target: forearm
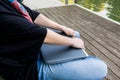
(44, 21)
(54, 38)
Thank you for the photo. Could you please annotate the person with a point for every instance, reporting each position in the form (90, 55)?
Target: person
(22, 32)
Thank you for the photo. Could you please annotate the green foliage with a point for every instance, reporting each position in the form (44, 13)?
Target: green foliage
(113, 7)
(114, 10)
(95, 5)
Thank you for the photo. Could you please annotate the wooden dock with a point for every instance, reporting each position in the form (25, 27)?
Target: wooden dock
(101, 36)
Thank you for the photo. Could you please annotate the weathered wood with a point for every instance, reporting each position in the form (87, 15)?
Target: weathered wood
(101, 36)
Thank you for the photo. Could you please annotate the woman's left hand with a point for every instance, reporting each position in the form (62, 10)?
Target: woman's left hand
(68, 31)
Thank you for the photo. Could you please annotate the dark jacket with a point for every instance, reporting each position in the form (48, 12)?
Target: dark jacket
(20, 42)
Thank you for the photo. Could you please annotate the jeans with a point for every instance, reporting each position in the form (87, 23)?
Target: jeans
(91, 68)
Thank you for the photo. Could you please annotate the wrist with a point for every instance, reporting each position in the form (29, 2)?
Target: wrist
(62, 28)
(71, 42)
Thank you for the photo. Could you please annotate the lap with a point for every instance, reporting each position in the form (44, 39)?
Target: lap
(90, 68)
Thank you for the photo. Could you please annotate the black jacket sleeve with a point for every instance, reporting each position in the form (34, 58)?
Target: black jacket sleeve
(18, 35)
(33, 14)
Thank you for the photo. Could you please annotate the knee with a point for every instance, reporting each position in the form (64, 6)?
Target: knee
(103, 70)
(97, 69)
(88, 69)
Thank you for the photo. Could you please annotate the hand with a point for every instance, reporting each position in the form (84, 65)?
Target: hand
(68, 31)
(78, 43)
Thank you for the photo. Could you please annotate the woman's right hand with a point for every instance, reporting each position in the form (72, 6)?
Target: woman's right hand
(78, 43)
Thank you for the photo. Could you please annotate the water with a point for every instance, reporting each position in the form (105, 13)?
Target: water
(106, 8)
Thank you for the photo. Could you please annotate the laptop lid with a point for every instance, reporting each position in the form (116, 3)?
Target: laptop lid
(56, 54)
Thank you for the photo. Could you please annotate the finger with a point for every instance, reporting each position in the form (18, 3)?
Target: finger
(72, 32)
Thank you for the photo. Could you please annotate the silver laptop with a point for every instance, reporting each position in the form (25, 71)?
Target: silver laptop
(56, 53)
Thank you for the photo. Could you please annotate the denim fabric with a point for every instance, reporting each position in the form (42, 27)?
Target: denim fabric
(91, 68)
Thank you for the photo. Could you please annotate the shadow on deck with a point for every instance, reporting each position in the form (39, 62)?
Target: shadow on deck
(101, 36)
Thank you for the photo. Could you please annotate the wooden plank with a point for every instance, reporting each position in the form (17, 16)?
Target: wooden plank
(88, 20)
(109, 63)
(99, 20)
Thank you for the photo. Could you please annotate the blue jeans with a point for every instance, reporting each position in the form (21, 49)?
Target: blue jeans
(90, 68)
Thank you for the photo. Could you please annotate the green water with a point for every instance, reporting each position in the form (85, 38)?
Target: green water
(107, 8)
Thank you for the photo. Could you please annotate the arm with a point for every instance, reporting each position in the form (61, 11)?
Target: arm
(54, 38)
(44, 21)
